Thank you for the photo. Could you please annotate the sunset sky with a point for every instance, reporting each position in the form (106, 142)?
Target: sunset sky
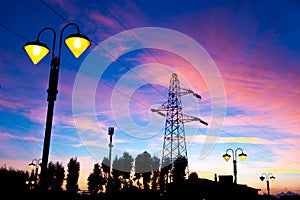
(242, 57)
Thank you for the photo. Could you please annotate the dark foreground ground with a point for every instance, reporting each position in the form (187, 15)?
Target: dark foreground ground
(124, 195)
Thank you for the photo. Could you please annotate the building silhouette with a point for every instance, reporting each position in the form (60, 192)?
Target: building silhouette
(199, 188)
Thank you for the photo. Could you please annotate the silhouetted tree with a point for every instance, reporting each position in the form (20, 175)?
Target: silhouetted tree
(73, 175)
(96, 180)
(178, 171)
(164, 173)
(193, 177)
(147, 166)
(143, 165)
(59, 176)
(105, 166)
(155, 172)
(55, 176)
(49, 175)
(127, 162)
(107, 174)
(13, 181)
(122, 168)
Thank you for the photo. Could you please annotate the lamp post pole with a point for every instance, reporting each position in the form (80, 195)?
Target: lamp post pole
(52, 92)
(242, 156)
(110, 133)
(268, 176)
(35, 52)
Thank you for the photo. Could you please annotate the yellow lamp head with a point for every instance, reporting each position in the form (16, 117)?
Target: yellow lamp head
(77, 43)
(272, 178)
(226, 156)
(242, 156)
(31, 166)
(36, 51)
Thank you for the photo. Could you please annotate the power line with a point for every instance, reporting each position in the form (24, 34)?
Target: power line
(20, 114)
(125, 28)
(111, 87)
(57, 13)
(20, 127)
(14, 32)
(17, 138)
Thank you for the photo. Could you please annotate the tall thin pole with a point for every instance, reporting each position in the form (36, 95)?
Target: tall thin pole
(52, 92)
(110, 145)
(268, 187)
(235, 171)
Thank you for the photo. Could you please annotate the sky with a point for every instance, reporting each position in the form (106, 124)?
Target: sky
(241, 57)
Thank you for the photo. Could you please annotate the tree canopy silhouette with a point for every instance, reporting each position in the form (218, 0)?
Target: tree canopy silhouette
(178, 171)
(55, 176)
(96, 181)
(73, 175)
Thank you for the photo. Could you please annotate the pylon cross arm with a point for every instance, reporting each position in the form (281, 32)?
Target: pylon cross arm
(188, 118)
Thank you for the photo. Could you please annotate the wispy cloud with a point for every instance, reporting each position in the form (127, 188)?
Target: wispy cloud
(244, 140)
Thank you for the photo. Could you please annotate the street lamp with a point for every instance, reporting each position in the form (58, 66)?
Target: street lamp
(242, 156)
(268, 176)
(30, 184)
(110, 145)
(36, 50)
(35, 165)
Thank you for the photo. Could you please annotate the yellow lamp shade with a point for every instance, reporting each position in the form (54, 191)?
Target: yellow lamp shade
(77, 43)
(36, 51)
(31, 166)
(272, 178)
(243, 156)
(226, 156)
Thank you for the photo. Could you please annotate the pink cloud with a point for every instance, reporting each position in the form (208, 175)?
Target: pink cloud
(256, 78)
(71, 8)
(8, 136)
(103, 20)
(130, 19)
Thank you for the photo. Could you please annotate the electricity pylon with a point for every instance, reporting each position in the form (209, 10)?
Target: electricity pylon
(174, 145)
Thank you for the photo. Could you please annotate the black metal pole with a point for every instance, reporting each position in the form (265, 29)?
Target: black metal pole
(268, 188)
(52, 92)
(235, 171)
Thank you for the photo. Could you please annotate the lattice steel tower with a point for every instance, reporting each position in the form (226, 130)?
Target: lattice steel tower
(174, 144)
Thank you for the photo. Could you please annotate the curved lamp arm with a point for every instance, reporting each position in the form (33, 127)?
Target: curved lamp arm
(54, 38)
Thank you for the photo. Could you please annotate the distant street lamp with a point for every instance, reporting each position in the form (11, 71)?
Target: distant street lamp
(30, 184)
(36, 50)
(110, 145)
(35, 166)
(242, 156)
(268, 176)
